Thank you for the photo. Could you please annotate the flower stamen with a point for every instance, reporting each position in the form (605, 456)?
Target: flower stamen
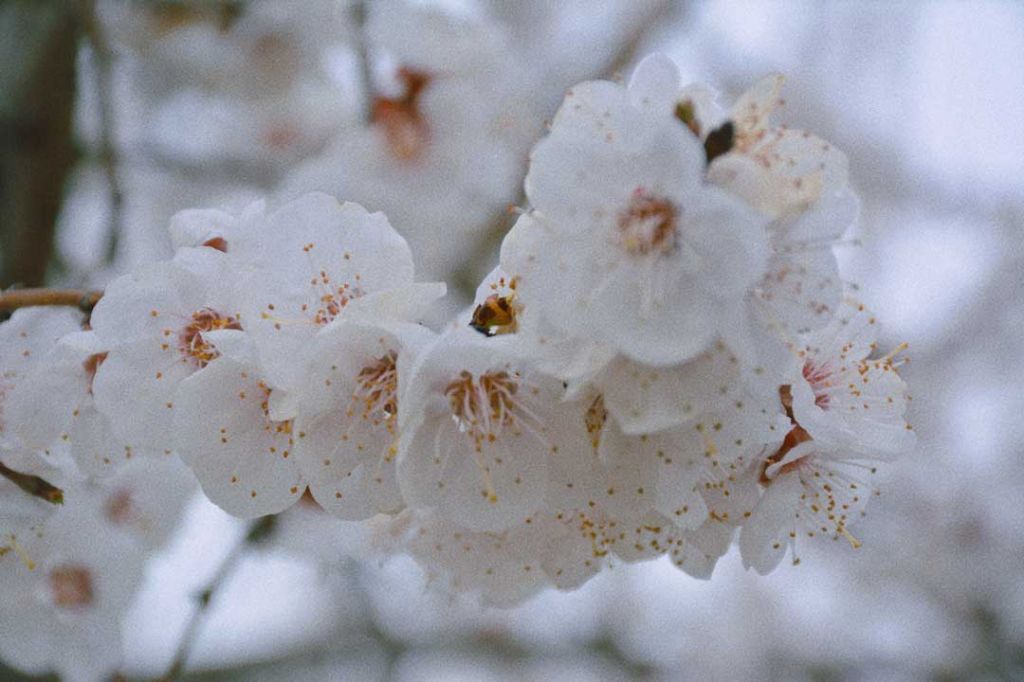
(193, 346)
(649, 224)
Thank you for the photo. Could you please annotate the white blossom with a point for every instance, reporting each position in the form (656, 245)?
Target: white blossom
(647, 257)
(349, 410)
(301, 265)
(845, 408)
(777, 170)
(844, 397)
(36, 399)
(229, 429)
(153, 324)
(62, 606)
(474, 439)
(439, 157)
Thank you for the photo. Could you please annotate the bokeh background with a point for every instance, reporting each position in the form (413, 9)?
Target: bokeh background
(113, 115)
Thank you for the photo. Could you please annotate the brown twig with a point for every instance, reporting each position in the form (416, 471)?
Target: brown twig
(33, 485)
(13, 299)
(103, 59)
(260, 529)
(363, 59)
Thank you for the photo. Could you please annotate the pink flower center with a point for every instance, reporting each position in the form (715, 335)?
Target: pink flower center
(71, 586)
(193, 346)
(648, 225)
(819, 377)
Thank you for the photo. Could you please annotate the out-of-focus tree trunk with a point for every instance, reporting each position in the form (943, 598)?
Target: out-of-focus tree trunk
(38, 45)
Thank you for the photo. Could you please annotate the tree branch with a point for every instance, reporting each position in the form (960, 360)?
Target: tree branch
(103, 63)
(363, 59)
(258, 532)
(33, 485)
(36, 146)
(13, 299)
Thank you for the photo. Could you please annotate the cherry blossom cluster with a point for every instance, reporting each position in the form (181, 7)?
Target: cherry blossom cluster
(664, 362)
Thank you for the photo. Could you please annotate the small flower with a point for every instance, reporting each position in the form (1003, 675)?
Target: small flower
(810, 490)
(646, 257)
(153, 325)
(777, 170)
(301, 266)
(845, 398)
(349, 409)
(475, 438)
(845, 408)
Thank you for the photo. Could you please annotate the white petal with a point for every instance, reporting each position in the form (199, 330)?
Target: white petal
(222, 430)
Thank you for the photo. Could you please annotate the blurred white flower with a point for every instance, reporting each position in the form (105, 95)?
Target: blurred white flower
(63, 609)
(447, 143)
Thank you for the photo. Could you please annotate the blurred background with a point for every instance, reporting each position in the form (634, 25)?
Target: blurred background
(114, 115)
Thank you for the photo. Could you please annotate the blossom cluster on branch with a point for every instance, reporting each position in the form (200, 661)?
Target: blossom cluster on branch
(665, 362)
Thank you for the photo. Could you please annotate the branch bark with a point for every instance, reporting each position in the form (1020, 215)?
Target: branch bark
(258, 532)
(108, 156)
(37, 95)
(23, 298)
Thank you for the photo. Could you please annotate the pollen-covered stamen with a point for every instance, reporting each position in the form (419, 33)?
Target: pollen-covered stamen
(404, 125)
(332, 297)
(594, 419)
(830, 496)
(889, 361)
(71, 586)
(194, 348)
(276, 427)
(484, 408)
(375, 398)
(649, 224)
